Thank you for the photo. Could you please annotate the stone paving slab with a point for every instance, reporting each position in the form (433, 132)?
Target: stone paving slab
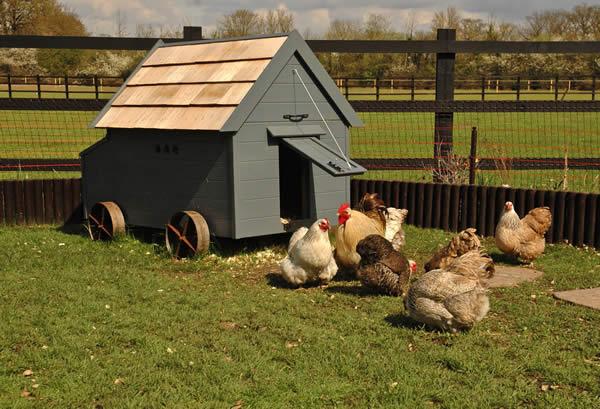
(512, 276)
(589, 297)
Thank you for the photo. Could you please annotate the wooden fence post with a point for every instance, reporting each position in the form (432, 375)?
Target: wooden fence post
(66, 86)
(191, 33)
(483, 88)
(444, 91)
(96, 87)
(346, 89)
(412, 88)
(39, 86)
(9, 85)
(473, 156)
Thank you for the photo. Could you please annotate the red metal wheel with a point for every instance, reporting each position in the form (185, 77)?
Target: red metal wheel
(187, 234)
(105, 221)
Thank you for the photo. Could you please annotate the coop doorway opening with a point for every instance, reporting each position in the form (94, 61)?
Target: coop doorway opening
(294, 184)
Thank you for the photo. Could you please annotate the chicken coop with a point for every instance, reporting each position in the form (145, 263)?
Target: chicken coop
(220, 137)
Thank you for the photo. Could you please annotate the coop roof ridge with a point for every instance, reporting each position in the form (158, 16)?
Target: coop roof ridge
(227, 39)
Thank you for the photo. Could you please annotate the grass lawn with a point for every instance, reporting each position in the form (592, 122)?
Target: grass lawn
(122, 325)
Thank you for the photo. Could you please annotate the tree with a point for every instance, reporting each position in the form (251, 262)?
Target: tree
(278, 21)
(446, 19)
(240, 23)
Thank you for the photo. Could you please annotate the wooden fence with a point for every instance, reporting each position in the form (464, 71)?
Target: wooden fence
(576, 216)
(30, 202)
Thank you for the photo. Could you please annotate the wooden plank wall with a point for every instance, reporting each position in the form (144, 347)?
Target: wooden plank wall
(30, 202)
(576, 216)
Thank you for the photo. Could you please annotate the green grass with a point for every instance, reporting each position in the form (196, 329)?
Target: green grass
(219, 330)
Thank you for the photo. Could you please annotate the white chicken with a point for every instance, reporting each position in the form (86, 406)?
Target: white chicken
(394, 232)
(310, 256)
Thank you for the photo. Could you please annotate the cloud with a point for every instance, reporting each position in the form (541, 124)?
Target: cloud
(99, 15)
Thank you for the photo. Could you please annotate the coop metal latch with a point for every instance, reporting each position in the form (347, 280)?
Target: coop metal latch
(296, 117)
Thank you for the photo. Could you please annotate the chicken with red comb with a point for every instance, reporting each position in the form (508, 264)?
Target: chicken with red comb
(353, 226)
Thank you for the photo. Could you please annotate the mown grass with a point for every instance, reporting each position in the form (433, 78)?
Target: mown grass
(122, 325)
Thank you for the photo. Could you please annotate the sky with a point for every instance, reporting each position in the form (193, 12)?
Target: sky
(99, 16)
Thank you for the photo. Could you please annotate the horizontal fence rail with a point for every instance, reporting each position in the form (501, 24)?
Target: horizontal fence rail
(575, 216)
(339, 46)
(476, 106)
(40, 202)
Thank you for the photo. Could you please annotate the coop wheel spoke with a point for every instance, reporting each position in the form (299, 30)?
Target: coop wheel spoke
(187, 234)
(105, 221)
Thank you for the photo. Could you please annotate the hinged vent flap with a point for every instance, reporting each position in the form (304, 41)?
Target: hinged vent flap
(323, 156)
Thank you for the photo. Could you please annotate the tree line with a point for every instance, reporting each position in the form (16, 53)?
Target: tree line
(582, 22)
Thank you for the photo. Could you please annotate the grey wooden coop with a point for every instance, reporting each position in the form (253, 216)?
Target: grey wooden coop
(229, 136)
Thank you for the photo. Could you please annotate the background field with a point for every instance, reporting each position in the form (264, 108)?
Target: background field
(123, 325)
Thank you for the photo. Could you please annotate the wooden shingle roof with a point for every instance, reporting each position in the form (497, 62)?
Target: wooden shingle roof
(190, 86)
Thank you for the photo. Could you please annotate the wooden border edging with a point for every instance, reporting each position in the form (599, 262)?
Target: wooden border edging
(28, 202)
(575, 216)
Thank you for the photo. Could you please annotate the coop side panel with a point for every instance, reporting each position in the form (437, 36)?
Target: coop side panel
(153, 174)
(257, 204)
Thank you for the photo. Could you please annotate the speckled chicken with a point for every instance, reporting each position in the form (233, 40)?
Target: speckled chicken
(381, 267)
(452, 298)
(523, 238)
(460, 244)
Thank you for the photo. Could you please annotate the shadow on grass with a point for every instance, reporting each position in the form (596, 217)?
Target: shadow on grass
(403, 321)
(357, 290)
(275, 280)
(75, 229)
(501, 258)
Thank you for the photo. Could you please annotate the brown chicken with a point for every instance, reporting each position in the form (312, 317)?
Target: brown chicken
(390, 218)
(452, 298)
(381, 267)
(373, 207)
(523, 238)
(353, 226)
(460, 244)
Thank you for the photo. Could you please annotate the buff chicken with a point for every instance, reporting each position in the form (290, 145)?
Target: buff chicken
(523, 238)
(460, 244)
(353, 226)
(452, 298)
(310, 257)
(382, 268)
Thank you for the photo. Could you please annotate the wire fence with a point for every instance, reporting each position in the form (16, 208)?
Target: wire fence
(44, 144)
(542, 149)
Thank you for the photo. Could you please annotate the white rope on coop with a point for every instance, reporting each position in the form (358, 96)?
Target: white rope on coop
(323, 119)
